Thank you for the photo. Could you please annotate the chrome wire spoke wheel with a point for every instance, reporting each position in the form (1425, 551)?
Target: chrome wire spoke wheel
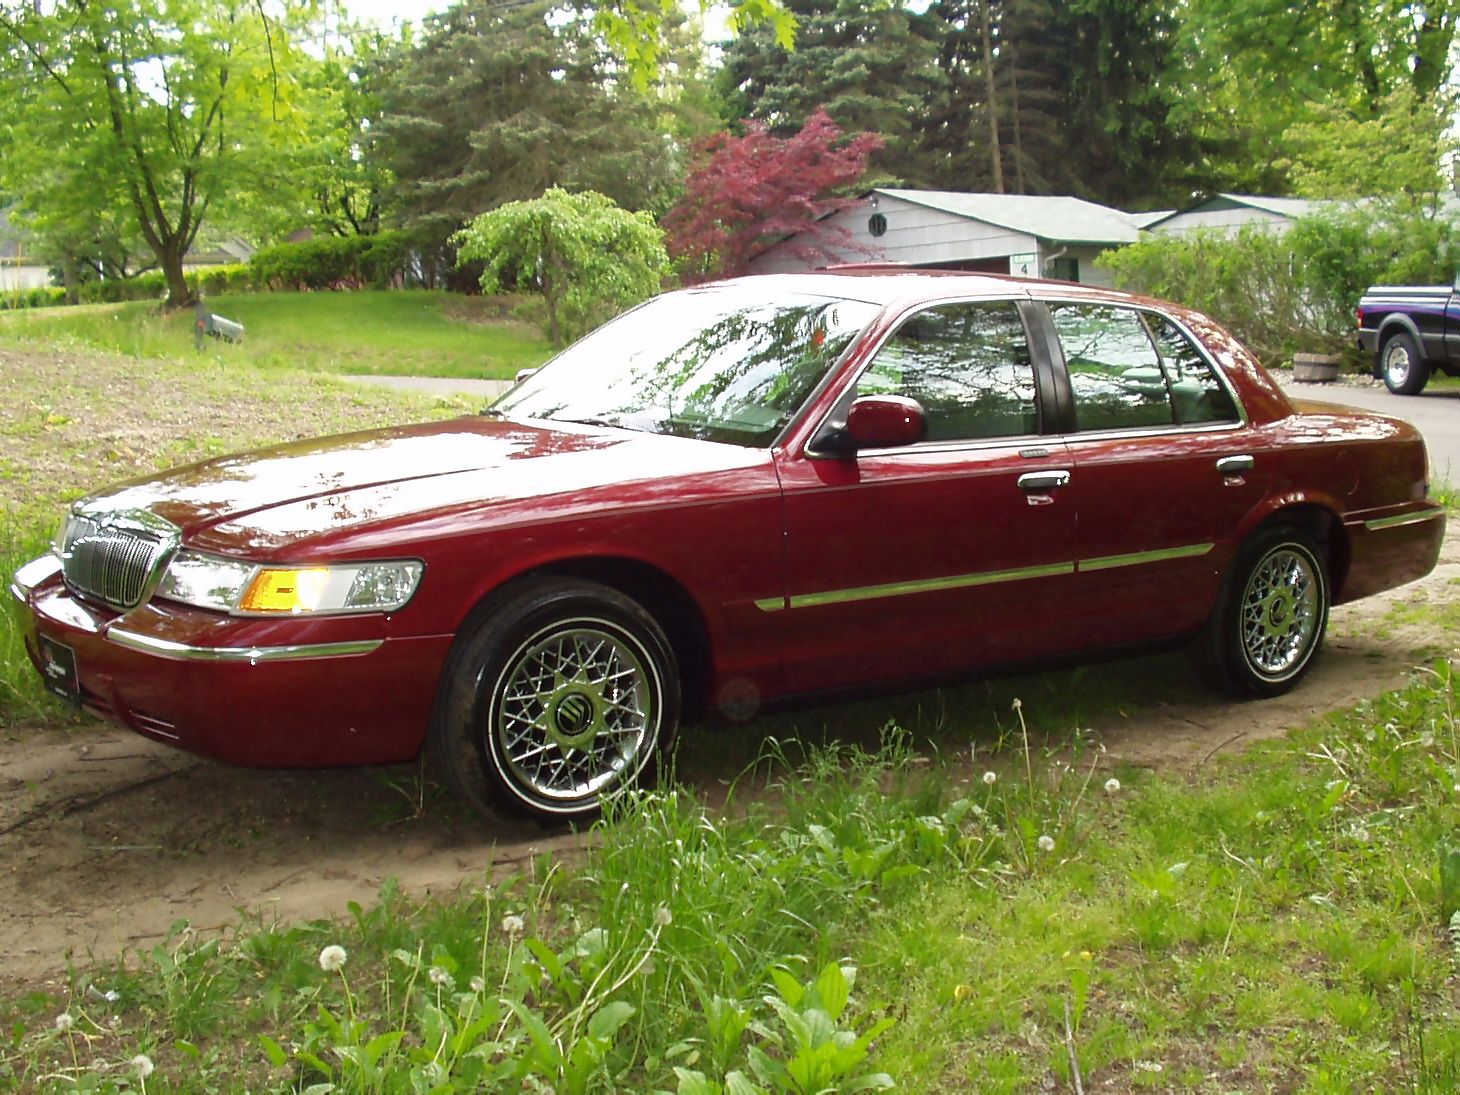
(1281, 612)
(575, 713)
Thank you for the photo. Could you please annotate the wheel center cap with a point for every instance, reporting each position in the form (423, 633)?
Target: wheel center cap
(573, 719)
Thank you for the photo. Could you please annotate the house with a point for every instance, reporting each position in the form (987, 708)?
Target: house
(1229, 213)
(1030, 235)
(19, 269)
(225, 253)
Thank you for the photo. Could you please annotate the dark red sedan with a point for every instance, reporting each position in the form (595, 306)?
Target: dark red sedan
(765, 487)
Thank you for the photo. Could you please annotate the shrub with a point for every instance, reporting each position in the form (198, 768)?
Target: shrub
(332, 262)
(44, 296)
(1284, 292)
(212, 281)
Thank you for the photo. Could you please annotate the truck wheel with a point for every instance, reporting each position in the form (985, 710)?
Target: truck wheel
(1404, 370)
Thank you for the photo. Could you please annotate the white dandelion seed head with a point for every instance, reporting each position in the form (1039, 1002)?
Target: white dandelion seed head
(65, 1021)
(439, 976)
(1046, 843)
(663, 917)
(142, 1065)
(513, 925)
(1112, 785)
(1018, 704)
(332, 958)
(111, 996)
(478, 984)
(991, 778)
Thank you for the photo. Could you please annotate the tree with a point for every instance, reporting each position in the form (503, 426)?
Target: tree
(160, 108)
(495, 104)
(589, 257)
(868, 63)
(750, 192)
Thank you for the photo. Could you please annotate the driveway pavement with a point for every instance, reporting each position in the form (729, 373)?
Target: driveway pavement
(1436, 411)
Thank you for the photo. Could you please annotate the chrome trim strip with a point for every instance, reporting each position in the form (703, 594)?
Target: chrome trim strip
(166, 648)
(1136, 558)
(991, 577)
(922, 585)
(17, 592)
(1401, 519)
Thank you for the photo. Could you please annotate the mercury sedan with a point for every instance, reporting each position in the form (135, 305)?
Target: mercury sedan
(729, 495)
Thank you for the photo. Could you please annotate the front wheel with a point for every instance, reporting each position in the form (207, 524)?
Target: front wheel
(1403, 369)
(1270, 617)
(558, 695)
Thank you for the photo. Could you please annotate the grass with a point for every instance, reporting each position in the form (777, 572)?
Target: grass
(867, 908)
(1274, 921)
(397, 333)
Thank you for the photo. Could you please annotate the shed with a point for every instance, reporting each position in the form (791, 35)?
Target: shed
(1031, 235)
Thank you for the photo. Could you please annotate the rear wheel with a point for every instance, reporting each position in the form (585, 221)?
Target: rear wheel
(558, 696)
(1403, 369)
(1270, 617)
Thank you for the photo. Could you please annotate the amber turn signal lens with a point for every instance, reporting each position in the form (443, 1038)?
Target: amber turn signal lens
(285, 590)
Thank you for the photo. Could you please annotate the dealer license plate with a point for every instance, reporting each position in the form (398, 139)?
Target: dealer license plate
(58, 668)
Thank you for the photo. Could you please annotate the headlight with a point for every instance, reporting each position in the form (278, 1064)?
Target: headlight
(249, 589)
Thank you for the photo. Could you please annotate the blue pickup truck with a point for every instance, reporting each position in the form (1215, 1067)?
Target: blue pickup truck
(1412, 331)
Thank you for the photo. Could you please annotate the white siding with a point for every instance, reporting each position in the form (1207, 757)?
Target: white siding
(16, 276)
(1228, 221)
(915, 234)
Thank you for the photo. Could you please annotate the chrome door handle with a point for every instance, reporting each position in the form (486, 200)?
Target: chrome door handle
(1235, 465)
(1043, 480)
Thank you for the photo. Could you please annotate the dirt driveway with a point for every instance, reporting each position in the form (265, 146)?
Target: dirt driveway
(107, 839)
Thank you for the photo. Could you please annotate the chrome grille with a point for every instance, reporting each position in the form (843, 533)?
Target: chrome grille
(116, 558)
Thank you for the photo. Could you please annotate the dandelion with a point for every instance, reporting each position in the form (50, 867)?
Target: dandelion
(991, 778)
(663, 917)
(1112, 785)
(439, 976)
(65, 1021)
(332, 958)
(1018, 704)
(1046, 843)
(143, 1066)
(962, 992)
(513, 925)
(478, 984)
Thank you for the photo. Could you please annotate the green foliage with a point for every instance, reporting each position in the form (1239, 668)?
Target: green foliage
(130, 125)
(588, 257)
(333, 262)
(44, 296)
(1293, 291)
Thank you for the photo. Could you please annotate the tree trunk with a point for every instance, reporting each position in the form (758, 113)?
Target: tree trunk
(996, 156)
(178, 293)
(70, 278)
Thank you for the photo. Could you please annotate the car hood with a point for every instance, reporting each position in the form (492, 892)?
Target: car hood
(264, 500)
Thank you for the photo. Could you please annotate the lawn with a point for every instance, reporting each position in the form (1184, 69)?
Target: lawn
(972, 898)
(397, 333)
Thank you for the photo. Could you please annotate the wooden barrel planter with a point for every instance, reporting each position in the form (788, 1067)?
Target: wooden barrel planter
(1315, 368)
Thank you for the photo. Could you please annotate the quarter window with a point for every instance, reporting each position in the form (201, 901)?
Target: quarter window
(968, 365)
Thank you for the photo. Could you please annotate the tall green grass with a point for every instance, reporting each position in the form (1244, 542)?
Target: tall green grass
(396, 333)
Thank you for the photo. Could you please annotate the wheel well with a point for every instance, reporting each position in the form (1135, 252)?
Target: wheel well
(1325, 527)
(664, 599)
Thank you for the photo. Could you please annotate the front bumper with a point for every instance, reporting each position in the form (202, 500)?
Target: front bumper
(269, 693)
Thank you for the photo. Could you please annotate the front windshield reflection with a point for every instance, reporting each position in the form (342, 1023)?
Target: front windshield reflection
(721, 364)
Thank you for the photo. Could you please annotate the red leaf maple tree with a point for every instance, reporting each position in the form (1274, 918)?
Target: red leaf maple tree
(748, 193)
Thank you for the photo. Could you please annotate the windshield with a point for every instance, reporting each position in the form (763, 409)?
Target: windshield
(721, 364)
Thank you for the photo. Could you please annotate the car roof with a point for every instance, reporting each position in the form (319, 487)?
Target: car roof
(885, 284)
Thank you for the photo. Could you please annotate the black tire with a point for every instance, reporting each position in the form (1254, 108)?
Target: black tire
(1401, 366)
(558, 695)
(1270, 617)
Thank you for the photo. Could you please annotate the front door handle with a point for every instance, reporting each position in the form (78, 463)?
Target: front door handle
(1235, 465)
(1043, 480)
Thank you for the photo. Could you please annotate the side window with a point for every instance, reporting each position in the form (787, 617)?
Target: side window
(1195, 390)
(1115, 372)
(969, 367)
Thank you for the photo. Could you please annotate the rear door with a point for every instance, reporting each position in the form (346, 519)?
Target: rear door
(920, 560)
(1164, 469)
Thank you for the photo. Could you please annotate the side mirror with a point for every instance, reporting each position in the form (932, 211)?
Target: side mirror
(885, 421)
